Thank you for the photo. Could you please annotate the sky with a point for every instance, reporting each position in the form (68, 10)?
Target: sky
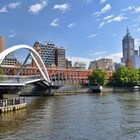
(88, 29)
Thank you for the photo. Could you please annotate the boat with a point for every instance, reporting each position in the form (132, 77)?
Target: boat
(135, 88)
(97, 88)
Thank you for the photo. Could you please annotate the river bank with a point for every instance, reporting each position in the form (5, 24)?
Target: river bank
(75, 91)
(70, 90)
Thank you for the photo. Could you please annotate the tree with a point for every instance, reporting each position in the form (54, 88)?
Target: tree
(1, 73)
(98, 77)
(1, 70)
(125, 77)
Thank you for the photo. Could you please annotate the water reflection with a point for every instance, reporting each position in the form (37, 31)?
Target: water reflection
(11, 122)
(79, 117)
(130, 117)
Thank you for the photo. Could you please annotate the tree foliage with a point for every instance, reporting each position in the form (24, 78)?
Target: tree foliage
(125, 77)
(1, 70)
(98, 77)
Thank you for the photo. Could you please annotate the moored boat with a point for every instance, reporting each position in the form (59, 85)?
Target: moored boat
(97, 88)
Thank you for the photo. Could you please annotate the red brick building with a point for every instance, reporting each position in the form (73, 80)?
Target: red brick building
(76, 75)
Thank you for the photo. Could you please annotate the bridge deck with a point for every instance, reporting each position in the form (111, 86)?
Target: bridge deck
(12, 84)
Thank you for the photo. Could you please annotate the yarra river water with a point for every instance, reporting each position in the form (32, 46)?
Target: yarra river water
(112, 116)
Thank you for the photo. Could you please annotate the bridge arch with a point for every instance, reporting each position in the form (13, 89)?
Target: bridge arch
(33, 54)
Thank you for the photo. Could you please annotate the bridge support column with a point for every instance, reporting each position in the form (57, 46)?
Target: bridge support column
(50, 91)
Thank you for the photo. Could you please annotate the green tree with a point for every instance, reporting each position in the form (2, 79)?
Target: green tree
(125, 77)
(1, 73)
(98, 76)
(1, 70)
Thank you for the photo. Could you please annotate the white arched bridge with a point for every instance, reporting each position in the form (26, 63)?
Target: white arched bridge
(17, 80)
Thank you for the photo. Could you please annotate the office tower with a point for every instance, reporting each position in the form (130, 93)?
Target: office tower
(68, 64)
(80, 65)
(104, 63)
(46, 51)
(128, 49)
(60, 57)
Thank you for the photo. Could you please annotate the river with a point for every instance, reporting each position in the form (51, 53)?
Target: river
(112, 116)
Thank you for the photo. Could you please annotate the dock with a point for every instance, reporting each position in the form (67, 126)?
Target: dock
(10, 103)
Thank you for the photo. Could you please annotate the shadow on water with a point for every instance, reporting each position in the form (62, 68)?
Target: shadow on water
(12, 122)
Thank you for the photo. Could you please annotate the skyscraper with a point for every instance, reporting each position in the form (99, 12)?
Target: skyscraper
(50, 54)
(46, 51)
(60, 57)
(128, 49)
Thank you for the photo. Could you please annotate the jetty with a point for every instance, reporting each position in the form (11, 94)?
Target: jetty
(10, 102)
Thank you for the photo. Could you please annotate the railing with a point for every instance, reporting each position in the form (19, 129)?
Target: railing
(17, 79)
(11, 102)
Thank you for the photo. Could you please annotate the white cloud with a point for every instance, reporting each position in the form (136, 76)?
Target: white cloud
(105, 9)
(92, 35)
(12, 34)
(128, 9)
(101, 24)
(36, 8)
(119, 18)
(62, 7)
(71, 25)
(116, 57)
(54, 23)
(98, 53)
(138, 29)
(80, 59)
(132, 8)
(137, 9)
(14, 5)
(137, 42)
(3, 10)
(111, 18)
(102, 1)
(108, 17)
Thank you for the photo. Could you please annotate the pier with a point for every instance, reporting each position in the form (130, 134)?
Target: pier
(11, 103)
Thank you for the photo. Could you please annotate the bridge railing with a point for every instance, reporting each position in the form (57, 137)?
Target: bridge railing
(17, 79)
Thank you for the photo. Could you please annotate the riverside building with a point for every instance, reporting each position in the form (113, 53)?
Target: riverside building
(60, 57)
(50, 54)
(46, 51)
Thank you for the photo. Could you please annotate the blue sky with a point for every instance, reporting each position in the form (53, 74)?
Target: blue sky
(88, 29)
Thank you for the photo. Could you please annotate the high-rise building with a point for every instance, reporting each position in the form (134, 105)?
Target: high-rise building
(92, 65)
(60, 57)
(37, 47)
(104, 63)
(50, 54)
(46, 51)
(136, 52)
(2, 43)
(80, 65)
(68, 64)
(135, 61)
(128, 49)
